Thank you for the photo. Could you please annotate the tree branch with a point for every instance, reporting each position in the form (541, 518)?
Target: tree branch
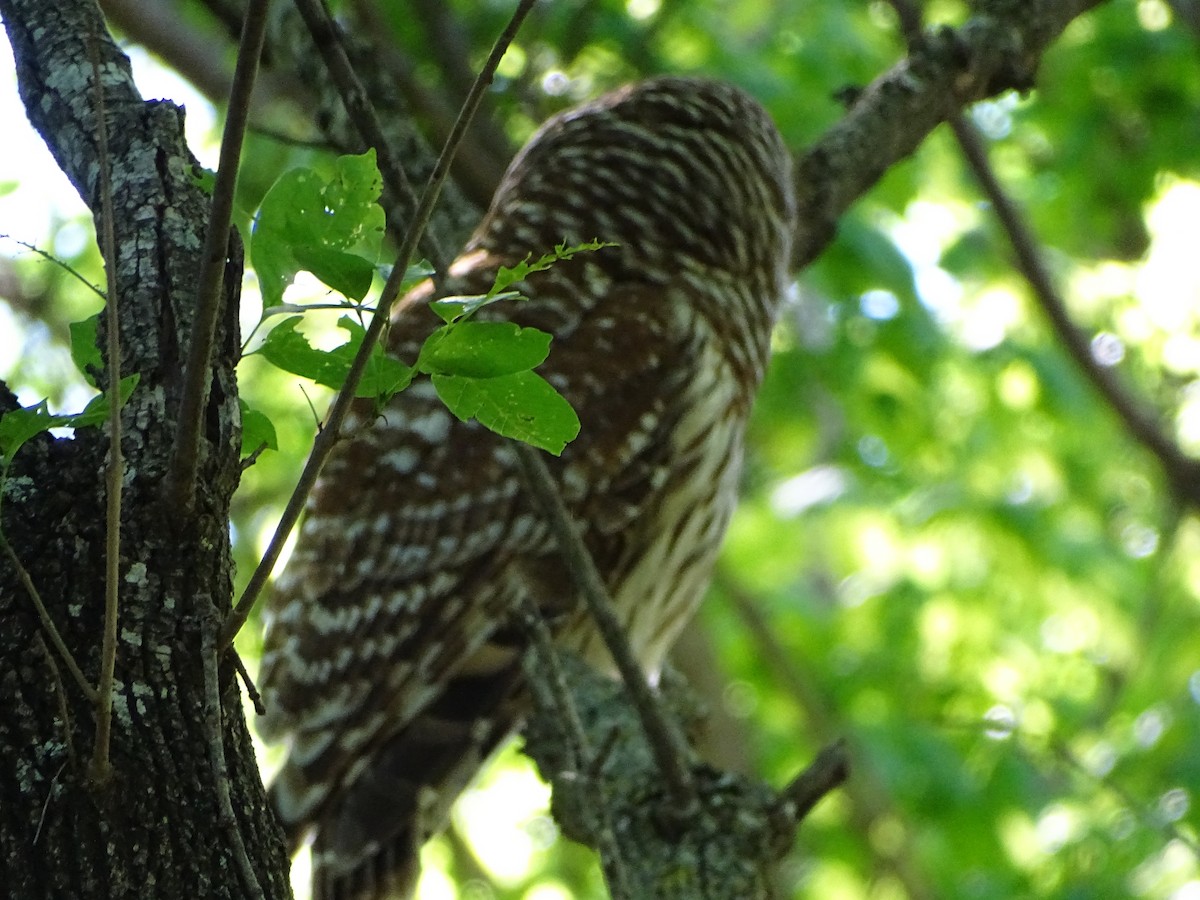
(548, 682)
(668, 746)
(998, 49)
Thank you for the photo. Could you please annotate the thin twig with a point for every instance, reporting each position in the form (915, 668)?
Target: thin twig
(328, 435)
(1136, 803)
(37, 833)
(47, 623)
(251, 690)
(666, 743)
(197, 377)
(60, 692)
(215, 734)
(1182, 471)
(51, 258)
(100, 769)
(550, 683)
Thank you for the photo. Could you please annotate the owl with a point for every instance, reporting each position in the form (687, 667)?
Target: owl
(392, 664)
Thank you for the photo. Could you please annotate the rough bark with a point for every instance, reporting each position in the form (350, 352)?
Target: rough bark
(155, 829)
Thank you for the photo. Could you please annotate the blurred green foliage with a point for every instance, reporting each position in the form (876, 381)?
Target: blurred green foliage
(949, 551)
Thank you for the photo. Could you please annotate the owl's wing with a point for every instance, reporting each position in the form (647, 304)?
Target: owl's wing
(390, 653)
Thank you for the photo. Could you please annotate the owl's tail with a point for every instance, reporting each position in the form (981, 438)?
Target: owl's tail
(368, 830)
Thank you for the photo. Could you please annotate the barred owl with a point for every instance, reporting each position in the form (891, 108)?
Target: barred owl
(393, 661)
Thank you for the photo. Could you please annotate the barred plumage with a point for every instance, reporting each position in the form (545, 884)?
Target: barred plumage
(391, 662)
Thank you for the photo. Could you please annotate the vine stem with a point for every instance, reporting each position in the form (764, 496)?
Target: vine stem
(185, 458)
(101, 769)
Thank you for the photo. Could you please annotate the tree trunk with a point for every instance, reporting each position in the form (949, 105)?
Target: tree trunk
(155, 829)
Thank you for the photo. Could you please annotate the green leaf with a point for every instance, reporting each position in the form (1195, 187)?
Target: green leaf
(483, 350)
(288, 349)
(314, 224)
(19, 425)
(453, 309)
(257, 430)
(85, 350)
(96, 412)
(344, 272)
(413, 275)
(523, 406)
(384, 375)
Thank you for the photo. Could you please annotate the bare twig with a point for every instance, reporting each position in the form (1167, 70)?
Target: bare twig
(101, 770)
(216, 248)
(485, 152)
(328, 435)
(1182, 471)
(60, 692)
(1134, 802)
(665, 741)
(214, 729)
(549, 683)
(251, 689)
(51, 258)
(37, 833)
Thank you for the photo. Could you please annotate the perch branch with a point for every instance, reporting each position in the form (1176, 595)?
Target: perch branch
(549, 684)
(828, 771)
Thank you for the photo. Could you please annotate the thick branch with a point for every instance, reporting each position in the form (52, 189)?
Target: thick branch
(892, 116)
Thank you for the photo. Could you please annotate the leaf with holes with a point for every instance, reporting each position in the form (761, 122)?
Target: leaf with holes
(523, 406)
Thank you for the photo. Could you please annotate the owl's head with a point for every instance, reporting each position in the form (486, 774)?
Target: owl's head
(679, 172)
